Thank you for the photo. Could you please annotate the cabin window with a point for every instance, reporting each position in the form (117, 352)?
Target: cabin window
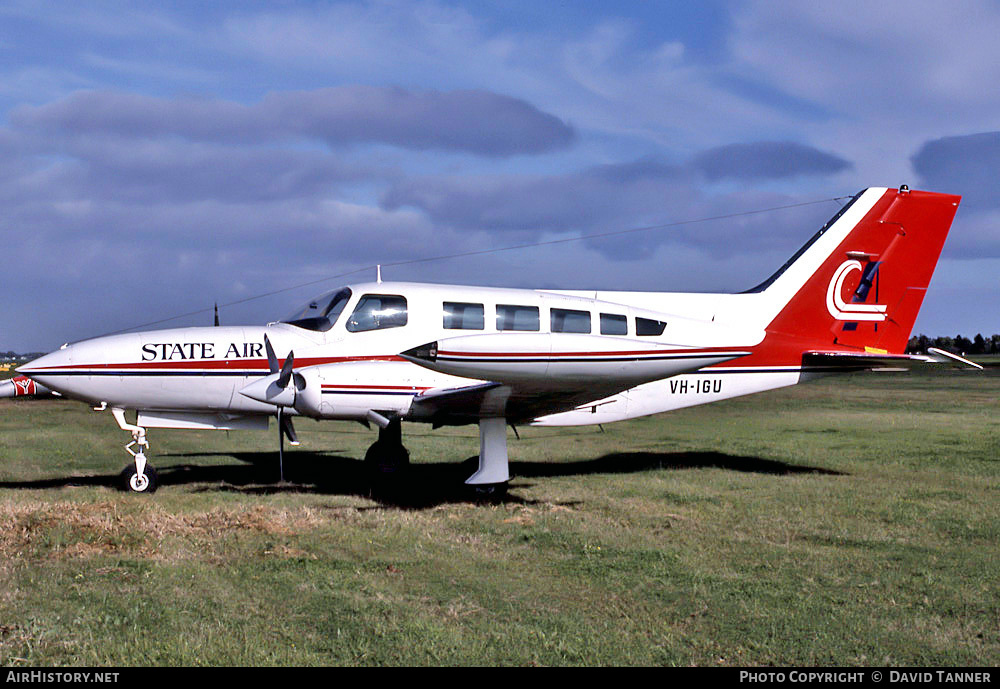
(647, 326)
(513, 317)
(378, 311)
(570, 321)
(613, 324)
(462, 316)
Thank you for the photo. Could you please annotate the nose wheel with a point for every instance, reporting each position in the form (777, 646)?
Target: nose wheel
(138, 477)
(131, 480)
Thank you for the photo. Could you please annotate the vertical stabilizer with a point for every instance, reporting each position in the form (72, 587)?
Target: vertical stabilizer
(859, 283)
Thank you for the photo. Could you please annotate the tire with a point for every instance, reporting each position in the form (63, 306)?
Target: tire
(385, 462)
(127, 480)
(489, 492)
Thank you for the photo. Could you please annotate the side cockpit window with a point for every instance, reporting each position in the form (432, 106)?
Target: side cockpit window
(648, 327)
(377, 312)
(321, 313)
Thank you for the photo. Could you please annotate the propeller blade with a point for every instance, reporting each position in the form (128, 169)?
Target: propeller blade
(286, 370)
(281, 444)
(272, 360)
(289, 430)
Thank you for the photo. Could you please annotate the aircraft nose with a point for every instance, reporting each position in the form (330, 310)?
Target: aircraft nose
(85, 369)
(84, 357)
(53, 361)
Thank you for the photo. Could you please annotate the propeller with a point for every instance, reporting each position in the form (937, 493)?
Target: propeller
(272, 360)
(286, 371)
(285, 428)
(280, 388)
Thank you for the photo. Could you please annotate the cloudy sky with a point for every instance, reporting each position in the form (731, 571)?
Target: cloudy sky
(156, 158)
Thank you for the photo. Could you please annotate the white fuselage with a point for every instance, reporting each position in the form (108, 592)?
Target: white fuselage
(634, 360)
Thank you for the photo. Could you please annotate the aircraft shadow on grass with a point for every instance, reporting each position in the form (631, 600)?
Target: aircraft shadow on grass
(424, 485)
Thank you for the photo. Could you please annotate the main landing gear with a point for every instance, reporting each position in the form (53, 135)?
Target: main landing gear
(490, 481)
(386, 458)
(139, 477)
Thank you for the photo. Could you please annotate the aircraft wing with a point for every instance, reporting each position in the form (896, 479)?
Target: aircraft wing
(449, 405)
(841, 362)
(517, 403)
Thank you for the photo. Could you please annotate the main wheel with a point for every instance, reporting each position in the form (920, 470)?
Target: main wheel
(130, 481)
(386, 461)
(488, 491)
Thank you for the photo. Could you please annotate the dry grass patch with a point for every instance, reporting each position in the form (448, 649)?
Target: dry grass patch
(83, 530)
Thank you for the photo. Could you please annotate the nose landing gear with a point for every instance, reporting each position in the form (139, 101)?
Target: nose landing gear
(139, 477)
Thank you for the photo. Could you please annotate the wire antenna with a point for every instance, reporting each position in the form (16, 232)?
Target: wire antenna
(482, 252)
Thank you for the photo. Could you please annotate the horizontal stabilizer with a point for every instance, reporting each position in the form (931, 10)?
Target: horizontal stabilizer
(840, 362)
(943, 357)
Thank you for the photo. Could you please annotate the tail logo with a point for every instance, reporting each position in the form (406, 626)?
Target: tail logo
(23, 386)
(844, 311)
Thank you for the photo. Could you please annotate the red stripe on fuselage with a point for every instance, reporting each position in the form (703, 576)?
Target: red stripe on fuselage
(220, 364)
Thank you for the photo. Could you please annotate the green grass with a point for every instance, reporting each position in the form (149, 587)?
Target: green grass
(850, 521)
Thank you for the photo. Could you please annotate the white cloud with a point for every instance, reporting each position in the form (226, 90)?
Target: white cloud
(895, 75)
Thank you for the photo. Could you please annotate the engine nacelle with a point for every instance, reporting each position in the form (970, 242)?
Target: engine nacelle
(308, 393)
(525, 358)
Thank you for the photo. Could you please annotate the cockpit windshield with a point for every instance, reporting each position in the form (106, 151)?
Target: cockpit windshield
(321, 313)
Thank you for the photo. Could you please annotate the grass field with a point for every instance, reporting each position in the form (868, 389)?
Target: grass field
(852, 521)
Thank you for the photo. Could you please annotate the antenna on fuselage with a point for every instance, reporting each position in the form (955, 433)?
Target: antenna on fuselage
(216, 314)
(378, 273)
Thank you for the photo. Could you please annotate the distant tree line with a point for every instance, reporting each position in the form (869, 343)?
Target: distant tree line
(14, 356)
(957, 345)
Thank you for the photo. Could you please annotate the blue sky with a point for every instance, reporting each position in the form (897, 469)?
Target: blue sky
(156, 158)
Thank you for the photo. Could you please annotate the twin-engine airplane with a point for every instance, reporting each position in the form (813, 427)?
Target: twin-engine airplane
(386, 352)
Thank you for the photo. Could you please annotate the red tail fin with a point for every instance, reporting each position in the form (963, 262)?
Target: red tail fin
(859, 283)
